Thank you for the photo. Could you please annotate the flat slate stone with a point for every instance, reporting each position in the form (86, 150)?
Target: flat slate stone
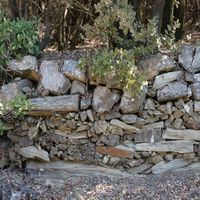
(34, 153)
(120, 151)
(148, 136)
(174, 164)
(156, 125)
(164, 79)
(180, 146)
(186, 134)
(123, 125)
(65, 103)
(194, 167)
(68, 169)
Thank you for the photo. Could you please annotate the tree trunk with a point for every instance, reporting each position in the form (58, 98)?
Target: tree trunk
(136, 5)
(157, 11)
(179, 15)
(167, 15)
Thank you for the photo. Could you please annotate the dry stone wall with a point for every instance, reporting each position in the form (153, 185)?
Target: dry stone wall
(75, 119)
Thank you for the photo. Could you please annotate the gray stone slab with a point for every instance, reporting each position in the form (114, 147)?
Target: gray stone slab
(186, 134)
(34, 153)
(164, 79)
(68, 169)
(181, 146)
(148, 136)
(173, 91)
(123, 125)
(65, 103)
(174, 164)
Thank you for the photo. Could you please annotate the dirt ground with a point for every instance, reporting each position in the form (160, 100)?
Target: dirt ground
(23, 185)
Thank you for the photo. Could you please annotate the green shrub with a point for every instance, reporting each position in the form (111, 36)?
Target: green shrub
(18, 38)
(116, 23)
(121, 62)
(20, 105)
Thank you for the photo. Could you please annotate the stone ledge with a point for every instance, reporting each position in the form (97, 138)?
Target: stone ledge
(65, 103)
(180, 146)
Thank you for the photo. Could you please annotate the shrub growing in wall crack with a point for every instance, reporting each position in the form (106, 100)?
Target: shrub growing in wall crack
(121, 62)
(20, 105)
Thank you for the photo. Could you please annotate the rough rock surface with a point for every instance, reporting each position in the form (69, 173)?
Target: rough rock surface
(33, 152)
(72, 70)
(174, 164)
(65, 103)
(173, 91)
(52, 79)
(156, 64)
(186, 134)
(148, 136)
(78, 87)
(190, 58)
(11, 90)
(118, 151)
(132, 104)
(27, 67)
(164, 79)
(104, 99)
(196, 90)
(179, 146)
(124, 126)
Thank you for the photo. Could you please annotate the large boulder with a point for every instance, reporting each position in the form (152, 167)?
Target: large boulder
(190, 58)
(156, 64)
(173, 91)
(53, 80)
(27, 67)
(104, 99)
(132, 103)
(73, 71)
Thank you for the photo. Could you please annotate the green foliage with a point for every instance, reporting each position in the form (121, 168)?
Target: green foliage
(20, 105)
(121, 63)
(116, 23)
(17, 38)
(2, 128)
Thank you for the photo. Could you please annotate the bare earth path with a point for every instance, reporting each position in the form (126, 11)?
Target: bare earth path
(18, 185)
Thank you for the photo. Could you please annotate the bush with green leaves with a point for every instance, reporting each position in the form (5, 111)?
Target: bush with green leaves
(20, 104)
(116, 23)
(18, 38)
(121, 62)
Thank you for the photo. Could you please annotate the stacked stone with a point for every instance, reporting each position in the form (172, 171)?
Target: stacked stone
(93, 121)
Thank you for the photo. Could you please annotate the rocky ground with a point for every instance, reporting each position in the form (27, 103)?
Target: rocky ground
(25, 185)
